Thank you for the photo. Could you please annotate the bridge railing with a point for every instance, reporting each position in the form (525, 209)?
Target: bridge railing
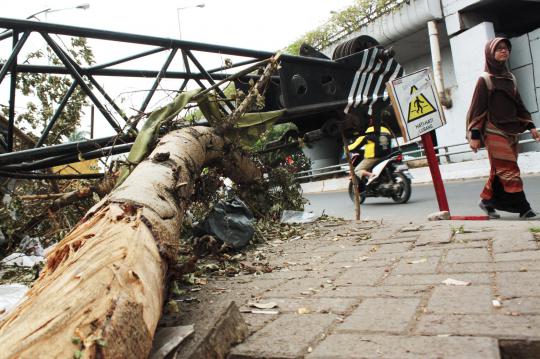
(343, 168)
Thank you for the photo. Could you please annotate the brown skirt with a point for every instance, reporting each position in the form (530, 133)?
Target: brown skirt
(504, 187)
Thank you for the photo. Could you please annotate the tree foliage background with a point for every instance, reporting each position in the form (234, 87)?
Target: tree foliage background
(345, 22)
(43, 92)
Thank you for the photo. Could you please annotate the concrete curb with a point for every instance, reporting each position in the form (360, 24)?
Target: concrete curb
(529, 163)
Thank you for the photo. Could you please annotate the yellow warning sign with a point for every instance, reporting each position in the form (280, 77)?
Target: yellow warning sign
(419, 106)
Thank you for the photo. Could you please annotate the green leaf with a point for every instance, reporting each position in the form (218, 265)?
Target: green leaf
(148, 134)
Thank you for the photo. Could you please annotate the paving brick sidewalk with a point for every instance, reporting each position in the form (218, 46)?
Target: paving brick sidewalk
(383, 297)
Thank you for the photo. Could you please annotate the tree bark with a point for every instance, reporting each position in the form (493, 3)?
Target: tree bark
(102, 289)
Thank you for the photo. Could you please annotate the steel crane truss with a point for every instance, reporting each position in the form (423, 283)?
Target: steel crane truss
(308, 88)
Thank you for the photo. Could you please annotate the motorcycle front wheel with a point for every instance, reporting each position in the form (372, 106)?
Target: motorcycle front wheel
(406, 189)
(362, 196)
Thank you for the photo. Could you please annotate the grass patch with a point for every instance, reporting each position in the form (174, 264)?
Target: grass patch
(536, 232)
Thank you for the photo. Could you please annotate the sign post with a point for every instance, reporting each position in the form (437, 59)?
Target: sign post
(418, 109)
(440, 192)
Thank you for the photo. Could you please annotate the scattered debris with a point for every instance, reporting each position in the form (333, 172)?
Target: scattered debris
(417, 261)
(268, 305)
(22, 260)
(172, 307)
(461, 230)
(439, 216)
(363, 237)
(294, 217)
(265, 311)
(256, 267)
(450, 281)
(411, 229)
(536, 232)
(10, 296)
(303, 310)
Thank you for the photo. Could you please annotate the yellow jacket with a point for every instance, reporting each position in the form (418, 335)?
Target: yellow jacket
(374, 146)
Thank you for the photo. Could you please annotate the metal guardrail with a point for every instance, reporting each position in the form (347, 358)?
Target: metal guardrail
(338, 169)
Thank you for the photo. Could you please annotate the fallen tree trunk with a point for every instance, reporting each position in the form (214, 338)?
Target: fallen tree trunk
(101, 292)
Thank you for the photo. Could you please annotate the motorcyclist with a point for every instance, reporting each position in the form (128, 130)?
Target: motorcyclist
(377, 145)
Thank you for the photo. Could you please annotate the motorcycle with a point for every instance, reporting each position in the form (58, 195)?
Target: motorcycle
(391, 178)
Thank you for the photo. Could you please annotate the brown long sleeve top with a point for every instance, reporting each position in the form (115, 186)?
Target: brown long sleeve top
(502, 106)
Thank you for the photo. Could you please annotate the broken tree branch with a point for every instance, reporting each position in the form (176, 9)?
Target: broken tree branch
(101, 291)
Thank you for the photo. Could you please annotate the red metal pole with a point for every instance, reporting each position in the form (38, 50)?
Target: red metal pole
(435, 172)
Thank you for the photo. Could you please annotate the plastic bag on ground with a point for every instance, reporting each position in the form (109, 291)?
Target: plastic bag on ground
(230, 221)
(21, 260)
(10, 296)
(292, 217)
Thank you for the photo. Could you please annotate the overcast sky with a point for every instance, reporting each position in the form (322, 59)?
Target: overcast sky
(268, 25)
(256, 24)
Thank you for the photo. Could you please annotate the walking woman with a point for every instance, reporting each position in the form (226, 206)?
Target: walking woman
(496, 118)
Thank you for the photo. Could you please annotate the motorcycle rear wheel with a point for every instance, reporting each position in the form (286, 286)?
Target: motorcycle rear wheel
(362, 196)
(406, 189)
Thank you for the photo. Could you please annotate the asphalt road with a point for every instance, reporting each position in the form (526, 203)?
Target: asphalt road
(462, 197)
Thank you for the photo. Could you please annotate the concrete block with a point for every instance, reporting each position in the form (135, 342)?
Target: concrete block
(287, 337)
(517, 284)
(374, 292)
(312, 187)
(419, 265)
(315, 305)
(468, 55)
(396, 239)
(228, 329)
(526, 87)
(492, 325)
(453, 23)
(392, 248)
(534, 40)
(467, 267)
(433, 237)
(521, 52)
(353, 256)
(523, 305)
(256, 322)
(468, 255)
(372, 315)
(360, 263)
(426, 251)
(335, 184)
(451, 6)
(506, 241)
(517, 256)
(360, 277)
(356, 346)
(518, 266)
(436, 279)
(299, 287)
(461, 300)
(474, 236)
